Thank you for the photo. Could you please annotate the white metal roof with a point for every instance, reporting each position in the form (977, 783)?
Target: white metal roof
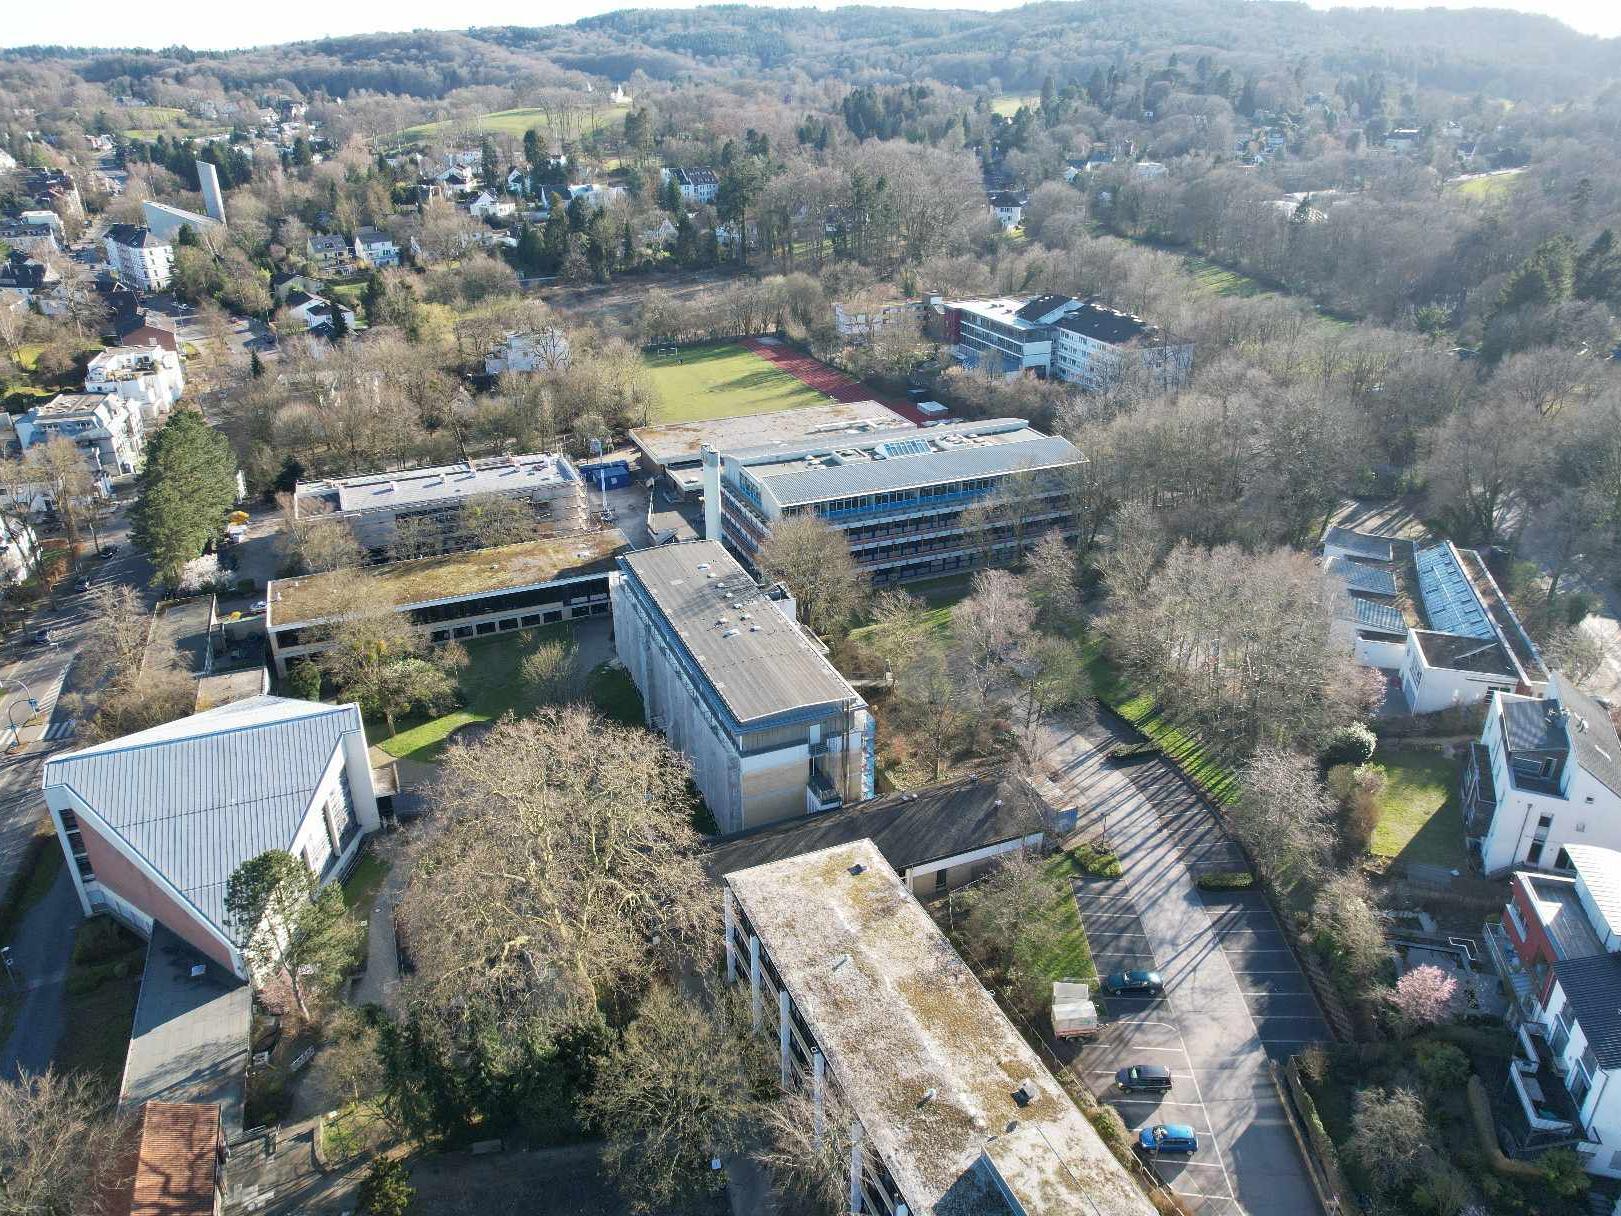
(1600, 872)
(197, 797)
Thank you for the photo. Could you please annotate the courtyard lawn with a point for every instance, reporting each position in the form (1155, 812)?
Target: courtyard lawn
(614, 694)
(722, 382)
(1420, 819)
(1218, 280)
(365, 880)
(1007, 104)
(491, 685)
(1068, 954)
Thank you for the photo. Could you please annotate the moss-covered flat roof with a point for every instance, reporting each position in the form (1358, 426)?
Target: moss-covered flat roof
(474, 572)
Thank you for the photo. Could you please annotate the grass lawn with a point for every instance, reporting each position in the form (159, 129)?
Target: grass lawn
(722, 382)
(1068, 954)
(1492, 186)
(42, 861)
(1218, 280)
(1420, 818)
(364, 881)
(516, 122)
(1007, 105)
(491, 685)
(1209, 772)
(100, 1008)
(614, 694)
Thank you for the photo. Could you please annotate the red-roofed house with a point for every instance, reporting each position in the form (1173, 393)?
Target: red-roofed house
(179, 1160)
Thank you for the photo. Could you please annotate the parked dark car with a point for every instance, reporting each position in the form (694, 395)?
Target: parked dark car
(42, 637)
(107, 552)
(1150, 1078)
(82, 583)
(1134, 983)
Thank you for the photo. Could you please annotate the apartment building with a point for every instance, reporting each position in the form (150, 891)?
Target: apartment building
(1544, 774)
(1097, 347)
(165, 222)
(421, 512)
(474, 593)
(153, 825)
(771, 730)
(1077, 341)
(151, 377)
(106, 427)
(950, 1110)
(900, 497)
(139, 257)
(698, 184)
(1558, 953)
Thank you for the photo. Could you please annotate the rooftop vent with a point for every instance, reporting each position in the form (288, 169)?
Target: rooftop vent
(857, 870)
(1027, 1092)
(929, 1095)
(730, 633)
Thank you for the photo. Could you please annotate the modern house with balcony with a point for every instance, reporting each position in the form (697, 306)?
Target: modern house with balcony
(1557, 953)
(107, 428)
(1007, 335)
(901, 498)
(150, 376)
(880, 1024)
(771, 729)
(153, 825)
(1545, 774)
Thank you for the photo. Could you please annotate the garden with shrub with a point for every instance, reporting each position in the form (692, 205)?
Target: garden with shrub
(1399, 1118)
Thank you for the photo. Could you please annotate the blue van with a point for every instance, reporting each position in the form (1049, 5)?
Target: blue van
(1168, 1138)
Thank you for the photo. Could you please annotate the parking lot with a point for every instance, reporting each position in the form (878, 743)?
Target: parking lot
(1234, 994)
(1144, 1030)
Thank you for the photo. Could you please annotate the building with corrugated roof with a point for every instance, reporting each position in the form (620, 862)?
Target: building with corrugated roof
(902, 498)
(155, 823)
(771, 729)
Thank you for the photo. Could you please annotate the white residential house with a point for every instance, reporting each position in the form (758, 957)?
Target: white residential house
(1008, 208)
(1545, 774)
(1148, 170)
(329, 251)
(139, 258)
(153, 825)
(315, 312)
(1403, 139)
(535, 351)
(106, 427)
(151, 376)
(861, 321)
(1557, 949)
(36, 240)
(660, 237)
(376, 248)
(491, 206)
(699, 184)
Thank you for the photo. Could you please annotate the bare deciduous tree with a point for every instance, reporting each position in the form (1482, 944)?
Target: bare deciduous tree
(814, 560)
(61, 1147)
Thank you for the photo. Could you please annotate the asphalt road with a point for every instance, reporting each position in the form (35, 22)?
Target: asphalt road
(43, 942)
(1233, 994)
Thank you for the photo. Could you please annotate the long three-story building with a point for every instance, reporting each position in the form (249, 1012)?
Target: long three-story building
(902, 498)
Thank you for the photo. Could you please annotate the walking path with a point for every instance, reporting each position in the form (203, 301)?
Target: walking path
(1259, 1163)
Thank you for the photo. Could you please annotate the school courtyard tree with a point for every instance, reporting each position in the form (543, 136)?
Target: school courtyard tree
(184, 493)
(289, 925)
(814, 560)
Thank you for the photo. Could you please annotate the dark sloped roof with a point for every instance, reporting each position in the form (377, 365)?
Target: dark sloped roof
(1377, 548)
(909, 829)
(134, 236)
(1382, 618)
(1593, 989)
(1534, 726)
(1040, 307)
(1369, 580)
(1598, 750)
(1104, 324)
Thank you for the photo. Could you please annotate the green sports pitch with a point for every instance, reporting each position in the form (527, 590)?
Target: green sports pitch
(700, 382)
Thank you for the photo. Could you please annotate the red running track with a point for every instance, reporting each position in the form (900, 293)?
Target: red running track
(825, 380)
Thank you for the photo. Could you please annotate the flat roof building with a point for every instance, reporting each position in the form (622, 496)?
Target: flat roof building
(899, 497)
(473, 593)
(952, 1112)
(420, 512)
(769, 726)
(673, 451)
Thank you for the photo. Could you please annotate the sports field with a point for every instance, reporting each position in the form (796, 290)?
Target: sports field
(516, 122)
(723, 381)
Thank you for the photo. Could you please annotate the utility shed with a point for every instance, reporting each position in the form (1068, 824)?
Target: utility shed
(959, 1117)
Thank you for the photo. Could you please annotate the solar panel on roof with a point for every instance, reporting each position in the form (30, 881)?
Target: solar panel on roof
(1383, 618)
(1369, 580)
(1450, 602)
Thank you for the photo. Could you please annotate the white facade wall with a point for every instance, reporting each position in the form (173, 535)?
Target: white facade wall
(151, 377)
(1094, 364)
(146, 268)
(1588, 813)
(1431, 689)
(1376, 652)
